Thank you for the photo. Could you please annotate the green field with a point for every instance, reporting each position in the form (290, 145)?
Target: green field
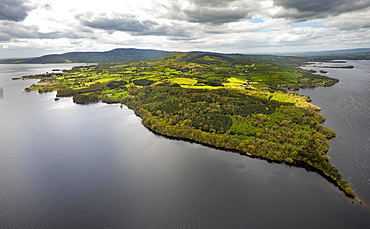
(234, 102)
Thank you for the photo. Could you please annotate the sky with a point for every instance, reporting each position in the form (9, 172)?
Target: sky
(30, 28)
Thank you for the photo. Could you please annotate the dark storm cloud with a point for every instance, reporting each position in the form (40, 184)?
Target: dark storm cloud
(207, 11)
(14, 10)
(121, 23)
(321, 8)
(13, 30)
(215, 15)
(10, 30)
(130, 24)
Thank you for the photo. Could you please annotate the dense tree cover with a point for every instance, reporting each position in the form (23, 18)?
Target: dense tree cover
(143, 82)
(85, 98)
(234, 102)
(253, 123)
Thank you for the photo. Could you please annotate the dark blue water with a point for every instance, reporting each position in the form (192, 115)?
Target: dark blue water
(346, 105)
(64, 165)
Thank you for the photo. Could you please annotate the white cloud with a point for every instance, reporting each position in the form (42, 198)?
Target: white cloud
(53, 26)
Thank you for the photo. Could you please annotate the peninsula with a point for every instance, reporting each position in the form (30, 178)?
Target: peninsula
(235, 102)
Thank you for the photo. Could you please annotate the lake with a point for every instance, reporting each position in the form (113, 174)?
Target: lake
(346, 106)
(64, 165)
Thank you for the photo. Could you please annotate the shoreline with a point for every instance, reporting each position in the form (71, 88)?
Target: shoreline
(325, 169)
(298, 163)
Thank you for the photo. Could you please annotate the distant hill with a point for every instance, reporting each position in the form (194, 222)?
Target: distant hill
(131, 54)
(346, 54)
(115, 55)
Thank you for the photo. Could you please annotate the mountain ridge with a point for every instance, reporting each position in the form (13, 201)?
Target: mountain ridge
(115, 55)
(343, 54)
(133, 54)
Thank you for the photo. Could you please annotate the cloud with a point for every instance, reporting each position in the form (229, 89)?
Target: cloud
(183, 25)
(116, 22)
(133, 25)
(308, 9)
(214, 15)
(10, 30)
(213, 12)
(350, 20)
(14, 10)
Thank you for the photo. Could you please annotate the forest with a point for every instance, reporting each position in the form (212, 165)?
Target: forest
(240, 103)
(254, 123)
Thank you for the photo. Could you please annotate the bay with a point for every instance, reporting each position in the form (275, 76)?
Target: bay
(64, 165)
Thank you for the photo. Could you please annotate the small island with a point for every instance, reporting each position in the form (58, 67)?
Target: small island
(347, 66)
(235, 102)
